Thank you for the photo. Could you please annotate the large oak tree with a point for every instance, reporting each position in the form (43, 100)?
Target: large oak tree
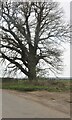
(32, 36)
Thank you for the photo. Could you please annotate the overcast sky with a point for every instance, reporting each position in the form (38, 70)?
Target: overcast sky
(66, 73)
(66, 6)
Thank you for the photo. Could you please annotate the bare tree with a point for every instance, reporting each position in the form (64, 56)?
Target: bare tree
(32, 35)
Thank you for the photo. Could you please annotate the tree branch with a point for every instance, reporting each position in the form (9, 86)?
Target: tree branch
(17, 64)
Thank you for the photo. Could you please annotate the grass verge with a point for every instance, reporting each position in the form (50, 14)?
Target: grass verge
(49, 85)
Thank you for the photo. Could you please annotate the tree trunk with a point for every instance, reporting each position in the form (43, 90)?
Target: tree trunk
(32, 69)
(32, 73)
(32, 64)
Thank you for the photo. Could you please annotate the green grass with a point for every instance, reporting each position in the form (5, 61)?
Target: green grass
(49, 85)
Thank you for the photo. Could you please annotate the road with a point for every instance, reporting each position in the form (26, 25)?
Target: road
(0, 104)
(14, 106)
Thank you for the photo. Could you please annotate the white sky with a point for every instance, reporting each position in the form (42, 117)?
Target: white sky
(66, 73)
(66, 6)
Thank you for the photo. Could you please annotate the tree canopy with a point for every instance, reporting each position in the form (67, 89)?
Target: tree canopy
(32, 36)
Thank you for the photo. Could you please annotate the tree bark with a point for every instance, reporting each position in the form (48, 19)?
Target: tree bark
(32, 73)
(32, 64)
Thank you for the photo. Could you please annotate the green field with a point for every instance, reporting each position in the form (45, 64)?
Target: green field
(49, 85)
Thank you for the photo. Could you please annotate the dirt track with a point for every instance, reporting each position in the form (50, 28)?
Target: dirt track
(35, 104)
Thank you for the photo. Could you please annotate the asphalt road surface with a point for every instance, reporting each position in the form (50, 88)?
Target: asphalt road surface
(14, 106)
